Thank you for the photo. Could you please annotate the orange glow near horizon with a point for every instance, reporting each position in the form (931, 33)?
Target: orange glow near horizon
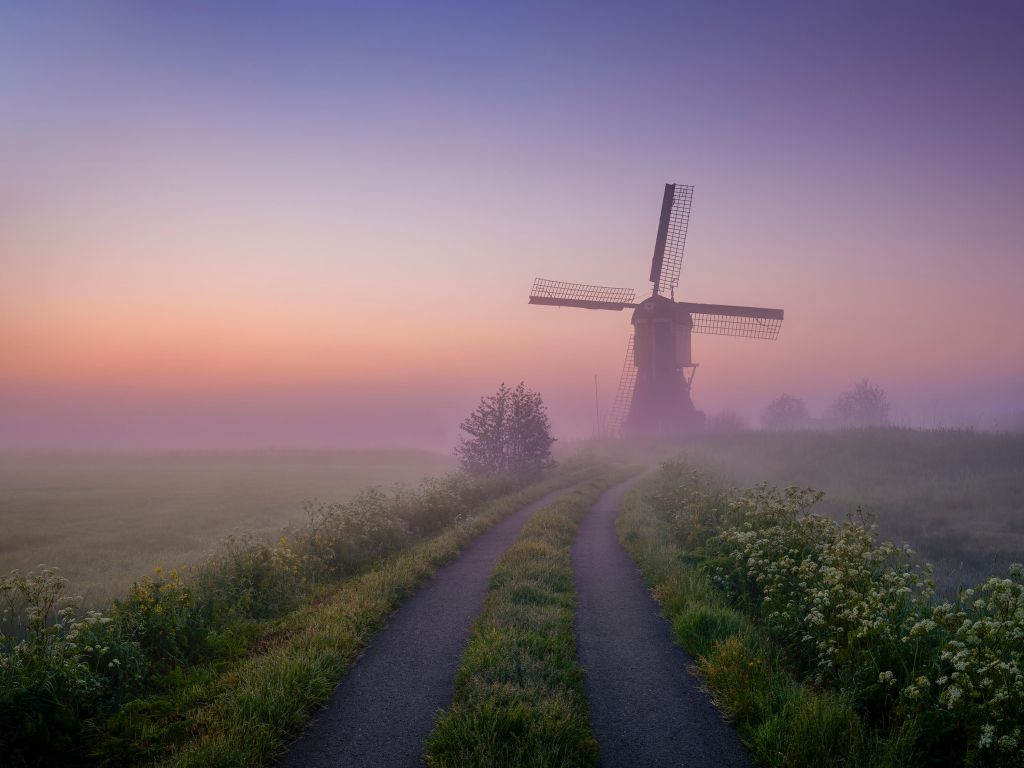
(320, 231)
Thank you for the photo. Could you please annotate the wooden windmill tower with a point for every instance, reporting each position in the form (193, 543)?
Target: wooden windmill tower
(654, 393)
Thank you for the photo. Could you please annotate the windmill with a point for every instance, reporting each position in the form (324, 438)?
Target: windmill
(654, 392)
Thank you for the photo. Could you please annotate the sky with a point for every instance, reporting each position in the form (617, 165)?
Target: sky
(316, 224)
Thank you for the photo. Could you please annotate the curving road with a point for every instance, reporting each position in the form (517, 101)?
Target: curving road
(383, 710)
(645, 708)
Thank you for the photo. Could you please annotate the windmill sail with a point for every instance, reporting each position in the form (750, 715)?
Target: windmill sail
(726, 320)
(653, 396)
(624, 394)
(558, 294)
(671, 241)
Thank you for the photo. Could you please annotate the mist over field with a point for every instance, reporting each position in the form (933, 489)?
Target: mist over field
(421, 414)
(314, 322)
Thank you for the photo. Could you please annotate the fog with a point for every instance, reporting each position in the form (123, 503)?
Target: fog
(398, 419)
(318, 250)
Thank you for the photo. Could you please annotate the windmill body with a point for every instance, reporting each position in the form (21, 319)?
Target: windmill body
(664, 371)
(654, 393)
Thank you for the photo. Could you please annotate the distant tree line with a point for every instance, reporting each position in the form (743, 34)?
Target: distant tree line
(865, 405)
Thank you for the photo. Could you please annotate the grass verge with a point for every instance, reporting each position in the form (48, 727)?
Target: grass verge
(781, 720)
(519, 697)
(243, 713)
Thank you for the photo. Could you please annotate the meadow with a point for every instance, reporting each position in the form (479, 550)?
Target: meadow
(956, 497)
(106, 520)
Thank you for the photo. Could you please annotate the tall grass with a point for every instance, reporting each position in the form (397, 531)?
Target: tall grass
(823, 643)
(519, 692)
(175, 664)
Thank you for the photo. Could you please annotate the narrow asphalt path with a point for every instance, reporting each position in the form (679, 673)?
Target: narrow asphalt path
(383, 710)
(645, 708)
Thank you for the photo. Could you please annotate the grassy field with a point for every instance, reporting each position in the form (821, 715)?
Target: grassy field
(105, 520)
(956, 497)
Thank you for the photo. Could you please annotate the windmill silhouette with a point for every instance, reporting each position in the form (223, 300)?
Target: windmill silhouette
(654, 392)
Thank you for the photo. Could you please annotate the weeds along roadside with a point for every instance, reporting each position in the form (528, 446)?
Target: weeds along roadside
(519, 696)
(223, 663)
(823, 645)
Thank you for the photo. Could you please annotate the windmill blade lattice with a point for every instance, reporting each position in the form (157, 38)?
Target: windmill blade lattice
(671, 241)
(724, 320)
(624, 394)
(559, 294)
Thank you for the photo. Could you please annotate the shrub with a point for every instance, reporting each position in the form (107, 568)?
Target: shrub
(252, 579)
(159, 612)
(436, 503)
(508, 432)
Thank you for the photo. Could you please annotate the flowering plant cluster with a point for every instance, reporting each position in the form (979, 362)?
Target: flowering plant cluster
(980, 673)
(858, 615)
(56, 665)
(846, 607)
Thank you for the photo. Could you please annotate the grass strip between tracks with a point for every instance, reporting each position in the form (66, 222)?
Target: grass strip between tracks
(782, 721)
(244, 715)
(519, 696)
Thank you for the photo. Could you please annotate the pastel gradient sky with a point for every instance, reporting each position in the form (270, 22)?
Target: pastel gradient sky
(316, 224)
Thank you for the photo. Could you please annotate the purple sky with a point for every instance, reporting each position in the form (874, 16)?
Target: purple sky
(313, 224)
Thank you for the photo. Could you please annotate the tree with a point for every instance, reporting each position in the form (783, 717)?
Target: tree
(508, 432)
(784, 412)
(866, 405)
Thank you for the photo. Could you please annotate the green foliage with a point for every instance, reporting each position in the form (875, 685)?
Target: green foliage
(519, 692)
(508, 432)
(702, 628)
(252, 579)
(979, 677)
(342, 538)
(846, 607)
(850, 615)
(695, 506)
(44, 681)
(159, 614)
